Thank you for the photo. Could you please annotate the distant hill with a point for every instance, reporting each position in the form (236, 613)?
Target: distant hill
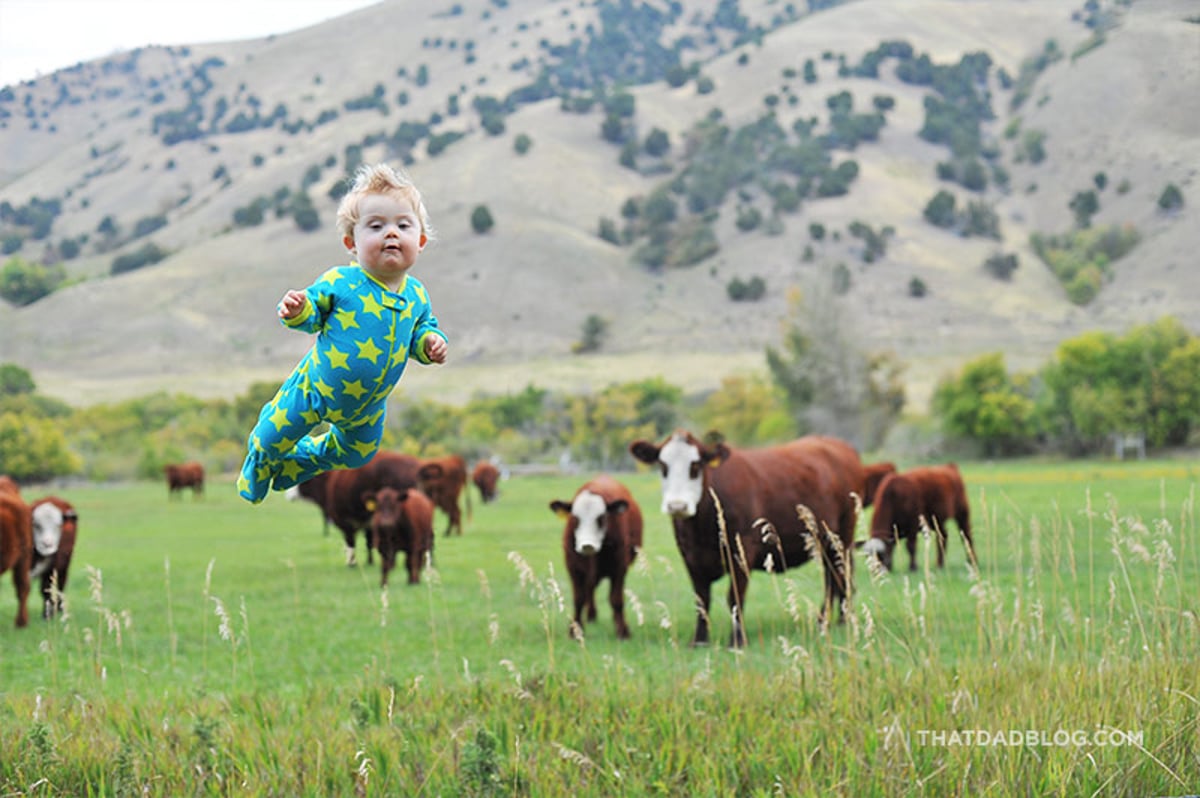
(191, 143)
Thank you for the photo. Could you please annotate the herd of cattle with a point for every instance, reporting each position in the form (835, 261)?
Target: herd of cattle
(733, 511)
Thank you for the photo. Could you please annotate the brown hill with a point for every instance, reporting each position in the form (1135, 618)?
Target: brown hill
(514, 299)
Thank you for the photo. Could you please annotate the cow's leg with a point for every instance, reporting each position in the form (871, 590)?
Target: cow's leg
(616, 598)
(703, 595)
(838, 567)
(963, 519)
(582, 593)
(739, 583)
(413, 561)
(910, 543)
(939, 537)
(21, 582)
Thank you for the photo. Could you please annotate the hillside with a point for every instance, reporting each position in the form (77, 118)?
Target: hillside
(514, 299)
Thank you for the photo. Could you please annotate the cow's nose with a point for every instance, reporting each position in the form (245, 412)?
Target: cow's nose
(677, 508)
(587, 549)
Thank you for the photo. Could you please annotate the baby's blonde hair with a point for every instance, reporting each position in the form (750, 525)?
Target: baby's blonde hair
(380, 178)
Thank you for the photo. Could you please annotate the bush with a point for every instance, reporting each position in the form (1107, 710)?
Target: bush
(1171, 198)
(522, 143)
(750, 290)
(481, 219)
(23, 283)
(146, 256)
(1001, 266)
(916, 288)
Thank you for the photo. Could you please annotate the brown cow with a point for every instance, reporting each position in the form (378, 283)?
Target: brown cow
(401, 520)
(752, 486)
(339, 493)
(930, 496)
(486, 476)
(16, 547)
(875, 472)
(602, 537)
(444, 484)
(55, 526)
(185, 475)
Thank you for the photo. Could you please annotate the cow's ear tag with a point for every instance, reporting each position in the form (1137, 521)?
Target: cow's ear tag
(370, 506)
(562, 513)
(714, 461)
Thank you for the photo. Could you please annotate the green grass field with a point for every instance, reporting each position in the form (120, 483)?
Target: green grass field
(214, 648)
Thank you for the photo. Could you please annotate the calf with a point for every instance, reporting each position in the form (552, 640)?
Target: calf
(401, 520)
(486, 477)
(16, 548)
(718, 498)
(185, 475)
(601, 540)
(905, 501)
(55, 525)
(339, 493)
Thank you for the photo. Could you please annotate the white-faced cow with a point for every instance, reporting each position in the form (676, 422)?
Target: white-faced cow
(754, 486)
(16, 547)
(401, 521)
(602, 537)
(905, 502)
(55, 526)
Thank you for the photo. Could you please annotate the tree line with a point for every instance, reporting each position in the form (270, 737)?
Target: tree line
(1146, 381)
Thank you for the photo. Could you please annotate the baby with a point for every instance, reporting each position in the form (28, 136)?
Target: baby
(369, 317)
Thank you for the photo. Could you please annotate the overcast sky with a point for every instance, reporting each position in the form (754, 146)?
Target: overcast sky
(40, 36)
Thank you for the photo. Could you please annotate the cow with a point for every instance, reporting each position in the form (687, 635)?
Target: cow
(602, 537)
(16, 548)
(401, 520)
(55, 526)
(443, 480)
(905, 501)
(185, 475)
(735, 509)
(339, 493)
(875, 472)
(486, 476)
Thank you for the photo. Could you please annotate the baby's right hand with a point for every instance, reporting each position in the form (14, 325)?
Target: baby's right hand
(291, 304)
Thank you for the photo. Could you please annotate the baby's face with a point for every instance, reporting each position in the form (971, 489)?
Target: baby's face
(387, 237)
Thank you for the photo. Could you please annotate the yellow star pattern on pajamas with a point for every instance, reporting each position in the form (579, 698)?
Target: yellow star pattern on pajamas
(291, 469)
(365, 448)
(337, 358)
(354, 388)
(279, 417)
(367, 350)
(371, 305)
(347, 319)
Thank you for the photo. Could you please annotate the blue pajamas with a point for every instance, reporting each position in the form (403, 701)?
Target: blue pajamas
(365, 335)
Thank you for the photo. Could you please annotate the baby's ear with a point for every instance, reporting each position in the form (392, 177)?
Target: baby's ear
(348, 242)
(424, 241)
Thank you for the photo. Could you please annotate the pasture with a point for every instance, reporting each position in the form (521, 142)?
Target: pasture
(215, 648)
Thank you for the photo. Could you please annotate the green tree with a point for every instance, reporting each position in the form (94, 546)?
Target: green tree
(1171, 198)
(592, 334)
(939, 211)
(23, 283)
(748, 411)
(34, 449)
(827, 381)
(982, 403)
(15, 381)
(1084, 205)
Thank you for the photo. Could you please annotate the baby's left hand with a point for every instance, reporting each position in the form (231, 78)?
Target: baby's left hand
(435, 348)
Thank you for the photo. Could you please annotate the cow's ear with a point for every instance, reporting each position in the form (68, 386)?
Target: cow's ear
(618, 506)
(716, 455)
(402, 495)
(70, 515)
(430, 471)
(644, 451)
(560, 508)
